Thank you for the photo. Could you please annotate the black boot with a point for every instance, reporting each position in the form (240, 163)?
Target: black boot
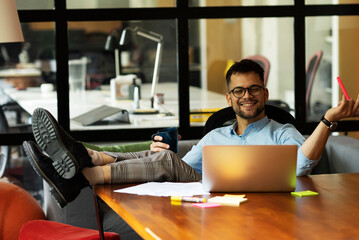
(63, 190)
(68, 156)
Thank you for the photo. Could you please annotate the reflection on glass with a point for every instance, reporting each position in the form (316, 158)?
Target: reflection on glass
(114, 71)
(214, 44)
(93, 4)
(218, 3)
(335, 37)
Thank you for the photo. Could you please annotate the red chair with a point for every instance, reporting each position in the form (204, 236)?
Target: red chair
(17, 207)
(49, 230)
(264, 63)
(311, 70)
(23, 218)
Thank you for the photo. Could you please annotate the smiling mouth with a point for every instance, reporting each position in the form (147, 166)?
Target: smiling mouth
(247, 104)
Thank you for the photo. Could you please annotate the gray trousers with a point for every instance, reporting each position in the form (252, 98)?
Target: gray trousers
(146, 166)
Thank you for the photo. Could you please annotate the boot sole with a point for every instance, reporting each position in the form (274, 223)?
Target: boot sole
(47, 136)
(60, 199)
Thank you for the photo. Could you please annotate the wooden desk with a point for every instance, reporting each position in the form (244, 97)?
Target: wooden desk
(333, 214)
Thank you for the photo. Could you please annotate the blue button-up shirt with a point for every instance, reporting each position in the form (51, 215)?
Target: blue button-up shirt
(263, 132)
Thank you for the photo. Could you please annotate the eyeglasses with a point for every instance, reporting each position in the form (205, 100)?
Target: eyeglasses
(253, 90)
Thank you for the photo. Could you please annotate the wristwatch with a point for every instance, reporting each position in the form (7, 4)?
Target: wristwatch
(331, 125)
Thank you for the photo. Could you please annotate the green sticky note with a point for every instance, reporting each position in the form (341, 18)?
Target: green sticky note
(304, 193)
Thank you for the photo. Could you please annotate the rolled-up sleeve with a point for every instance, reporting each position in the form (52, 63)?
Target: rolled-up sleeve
(304, 165)
(194, 158)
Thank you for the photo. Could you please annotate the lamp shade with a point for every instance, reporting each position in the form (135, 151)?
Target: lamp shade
(10, 29)
(111, 43)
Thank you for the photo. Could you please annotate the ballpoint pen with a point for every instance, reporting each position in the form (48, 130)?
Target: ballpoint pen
(188, 199)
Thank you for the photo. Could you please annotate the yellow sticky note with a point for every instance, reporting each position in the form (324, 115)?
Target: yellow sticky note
(234, 195)
(304, 193)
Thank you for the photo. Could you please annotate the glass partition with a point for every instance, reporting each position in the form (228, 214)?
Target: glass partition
(329, 52)
(220, 42)
(221, 3)
(27, 66)
(117, 58)
(212, 43)
(34, 4)
(93, 4)
(27, 81)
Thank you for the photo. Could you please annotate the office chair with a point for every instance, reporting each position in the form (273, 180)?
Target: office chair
(17, 207)
(311, 70)
(5, 151)
(3, 161)
(39, 229)
(226, 116)
(15, 128)
(264, 63)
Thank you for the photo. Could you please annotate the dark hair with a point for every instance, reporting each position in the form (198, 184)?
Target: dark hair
(244, 66)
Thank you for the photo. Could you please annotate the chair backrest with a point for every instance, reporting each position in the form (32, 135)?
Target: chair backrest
(17, 207)
(264, 63)
(311, 70)
(4, 126)
(5, 151)
(226, 116)
(3, 161)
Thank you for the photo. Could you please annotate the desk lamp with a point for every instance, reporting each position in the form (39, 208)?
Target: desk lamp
(111, 45)
(10, 29)
(156, 38)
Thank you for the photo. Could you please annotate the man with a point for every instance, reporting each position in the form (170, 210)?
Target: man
(70, 166)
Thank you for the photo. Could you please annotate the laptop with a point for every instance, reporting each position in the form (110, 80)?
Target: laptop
(249, 168)
(99, 115)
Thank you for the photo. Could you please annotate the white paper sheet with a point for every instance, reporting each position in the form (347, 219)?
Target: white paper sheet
(165, 189)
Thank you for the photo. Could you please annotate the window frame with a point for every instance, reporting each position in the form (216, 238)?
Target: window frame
(182, 13)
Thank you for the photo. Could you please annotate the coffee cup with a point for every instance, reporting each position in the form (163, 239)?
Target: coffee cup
(169, 136)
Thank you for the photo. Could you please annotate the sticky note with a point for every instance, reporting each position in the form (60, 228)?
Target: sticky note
(227, 201)
(304, 193)
(234, 195)
(206, 205)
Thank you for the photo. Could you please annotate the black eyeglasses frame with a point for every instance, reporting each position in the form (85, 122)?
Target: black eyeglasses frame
(245, 91)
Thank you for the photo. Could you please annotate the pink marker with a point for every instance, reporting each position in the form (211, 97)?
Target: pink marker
(343, 88)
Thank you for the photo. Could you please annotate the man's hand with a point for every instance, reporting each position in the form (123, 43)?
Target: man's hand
(313, 147)
(346, 108)
(157, 145)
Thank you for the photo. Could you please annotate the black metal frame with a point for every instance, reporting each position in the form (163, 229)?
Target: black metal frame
(182, 14)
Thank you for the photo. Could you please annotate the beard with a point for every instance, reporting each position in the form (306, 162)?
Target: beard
(244, 115)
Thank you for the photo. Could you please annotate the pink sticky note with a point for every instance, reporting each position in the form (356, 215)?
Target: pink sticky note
(206, 205)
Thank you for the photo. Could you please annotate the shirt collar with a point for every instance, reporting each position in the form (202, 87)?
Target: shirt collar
(256, 126)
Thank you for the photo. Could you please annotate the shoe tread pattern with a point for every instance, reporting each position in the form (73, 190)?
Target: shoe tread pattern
(46, 133)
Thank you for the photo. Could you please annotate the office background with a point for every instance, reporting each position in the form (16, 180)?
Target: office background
(200, 38)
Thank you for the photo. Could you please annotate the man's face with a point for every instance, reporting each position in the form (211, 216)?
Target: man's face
(247, 107)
